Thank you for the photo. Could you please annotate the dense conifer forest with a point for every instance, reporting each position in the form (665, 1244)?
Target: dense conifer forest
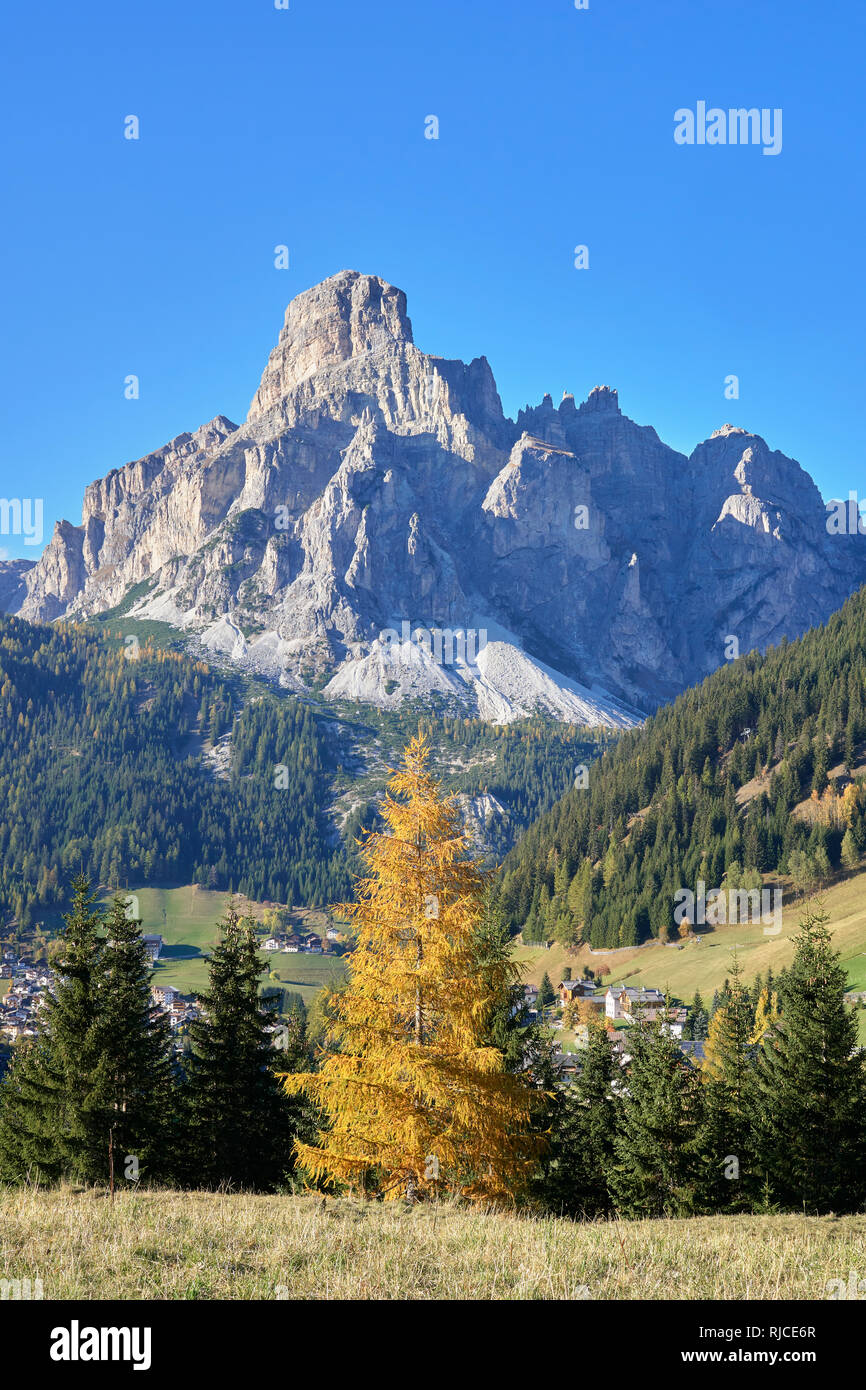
(133, 763)
(677, 800)
(102, 772)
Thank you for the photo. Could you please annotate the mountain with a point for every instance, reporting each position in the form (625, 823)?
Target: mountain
(373, 485)
(758, 771)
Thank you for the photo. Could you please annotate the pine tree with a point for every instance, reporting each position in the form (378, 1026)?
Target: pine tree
(416, 1098)
(546, 995)
(809, 1086)
(656, 1171)
(726, 1136)
(28, 1105)
(525, 1046)
(133, 1080)
(850, 851)
(697, 1020)
(240, 1124)
(52, 1126)
(576, 1168)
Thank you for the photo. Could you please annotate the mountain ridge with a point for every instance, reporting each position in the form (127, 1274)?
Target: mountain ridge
(372, 484)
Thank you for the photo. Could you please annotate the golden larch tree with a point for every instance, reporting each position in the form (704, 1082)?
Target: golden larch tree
(417, 1099)
(766, 1015)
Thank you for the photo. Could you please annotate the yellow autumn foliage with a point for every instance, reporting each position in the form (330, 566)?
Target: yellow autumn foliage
(417, 1100)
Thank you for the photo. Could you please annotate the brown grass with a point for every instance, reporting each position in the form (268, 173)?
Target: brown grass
(168, 1245)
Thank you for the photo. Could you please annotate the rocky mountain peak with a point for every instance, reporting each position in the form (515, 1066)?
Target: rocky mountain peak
(374, 485)
(726, 430)
(601, 399)
(348, 316)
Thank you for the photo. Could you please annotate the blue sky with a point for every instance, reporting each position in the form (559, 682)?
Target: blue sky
(305, 127)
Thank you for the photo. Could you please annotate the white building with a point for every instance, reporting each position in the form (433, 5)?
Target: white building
(622, 1002)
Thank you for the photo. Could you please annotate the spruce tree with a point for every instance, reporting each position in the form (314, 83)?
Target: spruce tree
(525, 1046)
(133, 1082)
(28, 1148)
(809, 1084)
(656, 1171)
(240, 1125)
(726, 1136)
(850, 853)
(546, 996)
(97, 1076)
(576, 1167)
(50, 1123)
(72, 1025)
(697, 1021)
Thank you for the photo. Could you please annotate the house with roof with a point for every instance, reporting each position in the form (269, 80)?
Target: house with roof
(674, 1022)
(154, 945)
(571, 989)
(621, 1001)
(164, 995)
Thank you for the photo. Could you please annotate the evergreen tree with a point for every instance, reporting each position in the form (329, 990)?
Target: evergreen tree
(575, 1169)
(726, 1135)
(91, 1070)
(850, 851)
(240, 1124)
(657, 1171)
(809, 1091)
(72, 1024)
(525, 1046)
(294, 1042)
(697, 1021)
(133, 1081)
(28, 1148)
(546, 995)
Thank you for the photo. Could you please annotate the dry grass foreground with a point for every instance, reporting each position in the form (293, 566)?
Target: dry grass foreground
(166, 1245)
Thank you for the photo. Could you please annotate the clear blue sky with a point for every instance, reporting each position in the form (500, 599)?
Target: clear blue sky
(306, 127)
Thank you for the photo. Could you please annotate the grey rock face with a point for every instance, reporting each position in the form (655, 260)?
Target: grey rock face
(13, 589)
(373, 484)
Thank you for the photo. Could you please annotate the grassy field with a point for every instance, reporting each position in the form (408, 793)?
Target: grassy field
(166, 1245)
(187, 917)
(702, 965)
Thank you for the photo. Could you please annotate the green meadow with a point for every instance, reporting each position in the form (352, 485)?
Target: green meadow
(186, 918)
(704, 964)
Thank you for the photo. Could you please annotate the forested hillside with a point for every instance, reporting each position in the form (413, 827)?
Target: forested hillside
(103, 769)
(162, 769)
(712, 785)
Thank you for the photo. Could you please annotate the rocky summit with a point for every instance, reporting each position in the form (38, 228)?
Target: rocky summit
(377, 528)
